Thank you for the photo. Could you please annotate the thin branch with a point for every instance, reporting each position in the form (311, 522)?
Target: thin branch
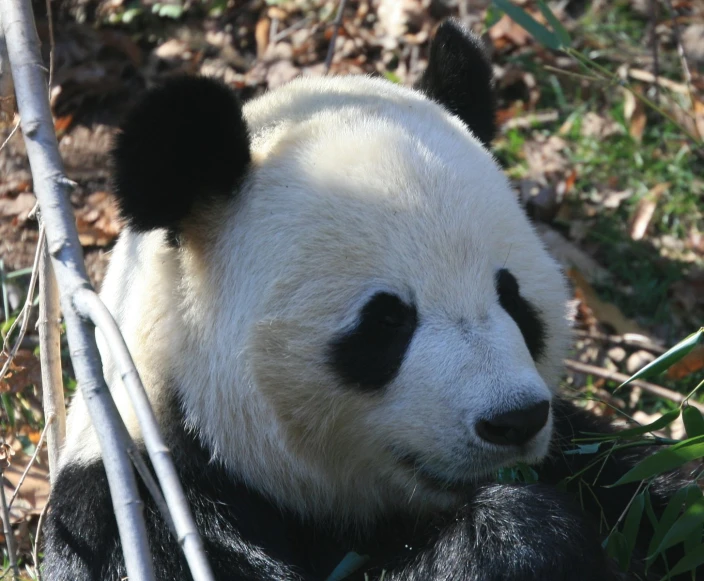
(50, 358)
(23, 318)
(629, 340)
(654, 40)
(333, 39)
(37, 449)
(681, 53)
(35, 549)
(621, 377)
(88, 303)
(7, 139)
(52, 43)
(52, 188)
(7, 531)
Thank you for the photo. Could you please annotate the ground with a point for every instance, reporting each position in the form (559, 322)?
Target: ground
(605, 150)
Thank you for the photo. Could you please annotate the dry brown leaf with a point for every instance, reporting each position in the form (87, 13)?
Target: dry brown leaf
(97, 220)
(18, 207)
(689, 292)
(634, 112)
(690, 363)
(606, 313)
(261, 36)
(506, 33)
(699, 117)
(34, 492)
(6, 454)
(645, 210)
(24, 370)
(569, 255)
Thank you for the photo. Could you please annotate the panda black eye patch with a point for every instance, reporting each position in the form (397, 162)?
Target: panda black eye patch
(526, 316)
(369, 355)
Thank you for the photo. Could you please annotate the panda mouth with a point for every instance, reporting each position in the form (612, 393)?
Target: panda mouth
(421, 472)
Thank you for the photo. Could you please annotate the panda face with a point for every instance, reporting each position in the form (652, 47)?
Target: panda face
(339, 285)
(398, 322)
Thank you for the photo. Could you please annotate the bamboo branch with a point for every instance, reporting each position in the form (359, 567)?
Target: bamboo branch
(7, 531)
(333, 39)
(621, 377)
(89, 305)
(50, 358)
(52, 188)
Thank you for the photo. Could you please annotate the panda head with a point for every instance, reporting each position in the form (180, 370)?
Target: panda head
(360, 317)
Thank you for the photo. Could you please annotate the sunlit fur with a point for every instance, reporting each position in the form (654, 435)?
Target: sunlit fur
(356, 186)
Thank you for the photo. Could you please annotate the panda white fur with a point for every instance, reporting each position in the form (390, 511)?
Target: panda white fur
(346, 326)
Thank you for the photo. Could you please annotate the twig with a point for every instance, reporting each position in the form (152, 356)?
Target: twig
(335, 32)
(52, 43)
(35, 549)
(609, 76)
(50, 359)
(87, 302)
(7, 531)
(629, 339)
(621, 377)
(23, 317)
(648, 77)
(37, 449)
(278, 36)
(654, 39)
(530, 120)
(7, 139)
(51, 188)
(681, 53)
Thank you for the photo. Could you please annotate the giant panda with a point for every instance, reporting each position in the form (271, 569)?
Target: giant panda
(347, 327)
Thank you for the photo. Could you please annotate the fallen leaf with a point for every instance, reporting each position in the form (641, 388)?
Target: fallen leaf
(34, 492)
(690, 363)
(645, 210)
(606, 313)
(699, 117)
(634, 112)
(24, 370)
(506, 33)
(261, 36)
(19, 207)
(98, 220)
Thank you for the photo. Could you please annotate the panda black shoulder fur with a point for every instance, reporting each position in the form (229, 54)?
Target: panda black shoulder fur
(346, 326)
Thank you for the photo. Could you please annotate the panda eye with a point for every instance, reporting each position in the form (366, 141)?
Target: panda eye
(525, 315)
(370, 355)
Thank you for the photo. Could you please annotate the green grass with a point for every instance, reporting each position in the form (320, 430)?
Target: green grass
(617, 163)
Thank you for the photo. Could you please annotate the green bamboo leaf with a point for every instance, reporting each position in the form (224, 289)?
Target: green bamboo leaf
(665, 460)
(616, 549)
(686, 525)
(493, 15)
(687, 563)
(663, 421)
(9, 409)
(350, 563)
(681, 500)
(584, 449)
(562, 35)
(694, 539)
(693, 421)
(667, 359)
(632, 523)
(525, 20)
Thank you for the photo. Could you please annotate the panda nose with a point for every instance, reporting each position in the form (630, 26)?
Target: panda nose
(515, 427)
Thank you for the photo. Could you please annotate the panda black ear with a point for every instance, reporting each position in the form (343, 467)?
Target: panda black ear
(184, 143)
(459, 77)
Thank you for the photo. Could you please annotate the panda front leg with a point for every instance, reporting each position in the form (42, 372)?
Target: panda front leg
(512, 533)
(516, 533)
